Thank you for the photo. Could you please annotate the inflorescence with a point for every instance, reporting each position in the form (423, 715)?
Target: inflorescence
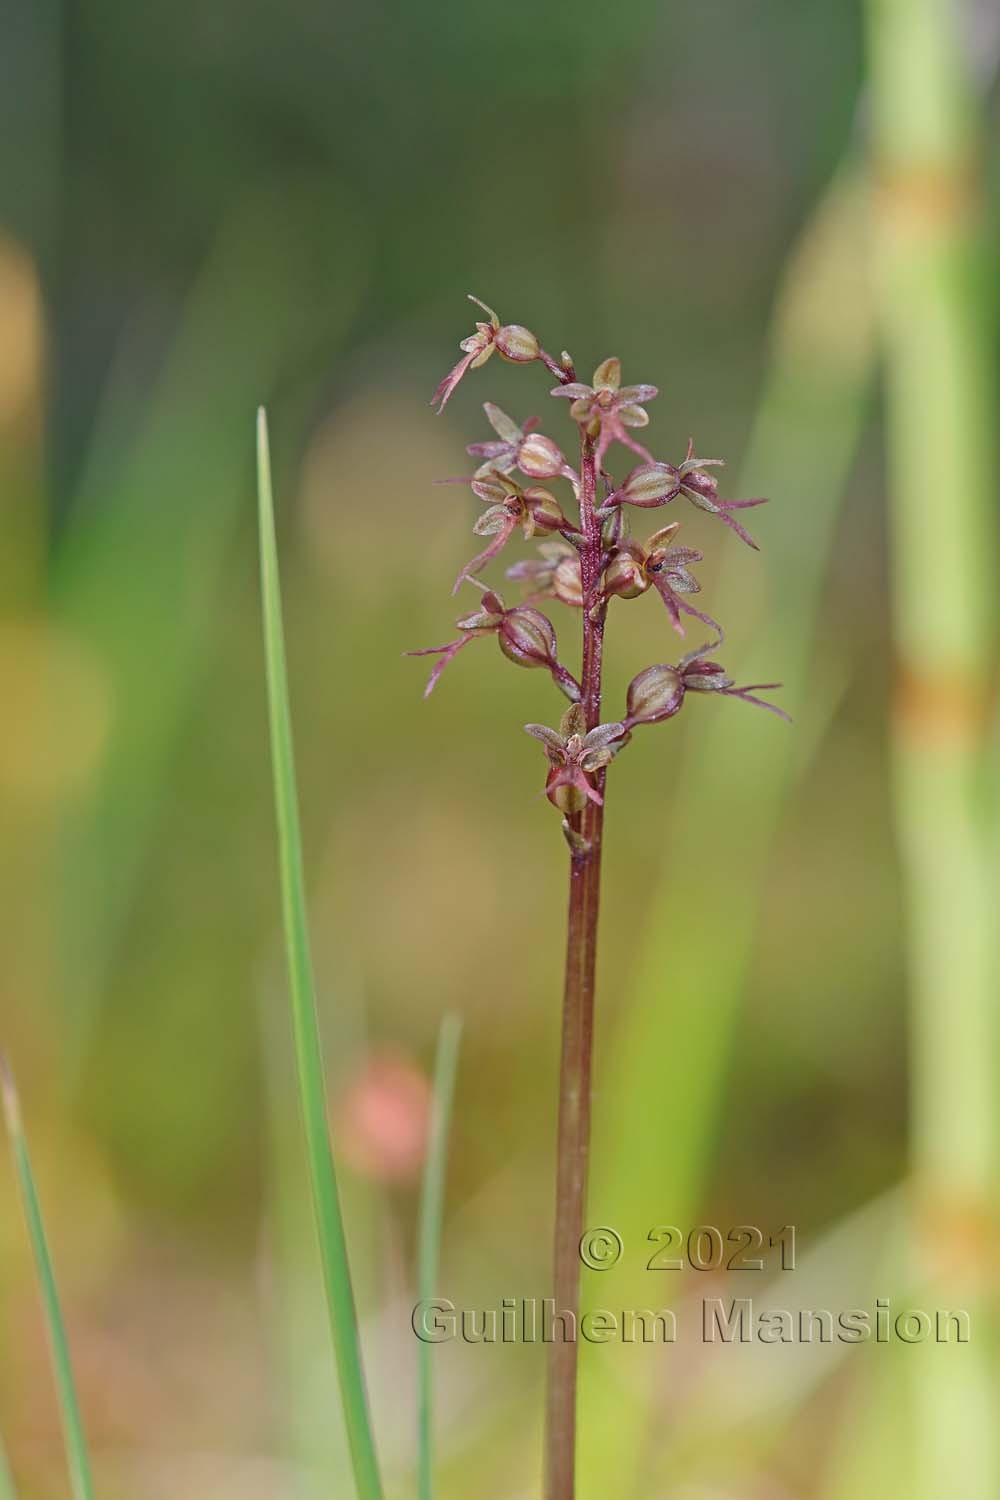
(586, 561)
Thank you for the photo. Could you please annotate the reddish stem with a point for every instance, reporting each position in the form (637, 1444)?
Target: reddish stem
(578, 1027)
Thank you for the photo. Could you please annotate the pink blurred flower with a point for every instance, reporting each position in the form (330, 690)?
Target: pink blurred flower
(383, 1118)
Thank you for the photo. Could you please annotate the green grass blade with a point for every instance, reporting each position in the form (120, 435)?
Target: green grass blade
(8, 1490)
(431, 1213)
(312, 1093)
(76, 1442)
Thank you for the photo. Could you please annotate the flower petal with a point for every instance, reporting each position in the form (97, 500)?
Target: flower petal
(487, 310)
(446, 654)
(638, 393)
(502, 425)
(476, 565)
(490, 489)
(608, 375)
(491, 521)
(574, 390)
(603, 735)
(632, 416)
(442, 394)
(550, 738)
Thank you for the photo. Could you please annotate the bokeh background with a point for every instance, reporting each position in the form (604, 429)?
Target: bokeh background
(207, 207)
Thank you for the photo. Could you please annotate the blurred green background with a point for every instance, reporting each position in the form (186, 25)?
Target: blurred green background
(207, 207)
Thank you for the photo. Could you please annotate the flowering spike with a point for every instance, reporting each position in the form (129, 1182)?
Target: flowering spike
(597, 547)
(592, 561)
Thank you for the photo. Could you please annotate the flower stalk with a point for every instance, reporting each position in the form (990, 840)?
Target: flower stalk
(585, 563)
(586, 828)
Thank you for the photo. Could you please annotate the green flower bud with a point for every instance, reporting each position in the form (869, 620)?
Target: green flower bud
(624, 577)
(656, 694)
(539, 457)
(517, 344)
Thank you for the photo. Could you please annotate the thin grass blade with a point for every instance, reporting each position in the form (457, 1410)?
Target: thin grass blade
(69, 1407)
(312, 1092)
(431, 1214)
(8, 1490)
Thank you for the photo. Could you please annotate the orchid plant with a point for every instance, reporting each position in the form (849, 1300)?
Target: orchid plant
(585, 560)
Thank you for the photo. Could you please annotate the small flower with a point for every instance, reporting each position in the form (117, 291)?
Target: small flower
(655, 484)
(554, 575)
(535, 510)
(606, 409)
(514, 343)
(519, 448)
(658, 692)
(635, 568)
(575, 756)
(523, 634)
(703, 490)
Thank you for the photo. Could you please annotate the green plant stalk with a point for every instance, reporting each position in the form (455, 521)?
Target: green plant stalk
(8, 1489)
(938, 332)
(429, 1250)
(69, 1406)
(656, 1140)
(312, 1092)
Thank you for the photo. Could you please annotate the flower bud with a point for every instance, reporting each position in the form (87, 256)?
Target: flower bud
(624, 577)
(650, 485)
(517, 343)
(699, 486)
(539, 457)
(656, 694)
(567, 582)
(544, 510)
(527, 638)
(613, 529)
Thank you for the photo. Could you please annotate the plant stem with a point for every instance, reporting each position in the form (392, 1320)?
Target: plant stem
(938, 334)
(573, 1149)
